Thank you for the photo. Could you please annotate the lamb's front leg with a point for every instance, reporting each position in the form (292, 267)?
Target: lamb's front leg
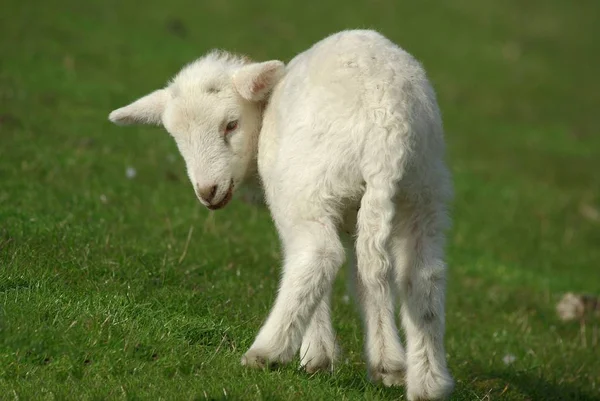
(313, 256)
(319, 350)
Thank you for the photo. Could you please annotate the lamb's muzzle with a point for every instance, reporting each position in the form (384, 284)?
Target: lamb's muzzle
(207, 196)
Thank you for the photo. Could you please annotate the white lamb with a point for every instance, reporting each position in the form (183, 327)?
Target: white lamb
(346, 138)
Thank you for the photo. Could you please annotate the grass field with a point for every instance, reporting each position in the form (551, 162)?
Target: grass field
(114, 287)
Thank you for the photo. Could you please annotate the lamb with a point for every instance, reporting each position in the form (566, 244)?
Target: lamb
(346, 139)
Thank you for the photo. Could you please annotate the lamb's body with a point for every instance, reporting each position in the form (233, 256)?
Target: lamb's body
(354, 122)
(350, 141)
(354, 98)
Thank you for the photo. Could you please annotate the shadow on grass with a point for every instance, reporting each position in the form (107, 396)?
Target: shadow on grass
(527, 385)
(504, 384)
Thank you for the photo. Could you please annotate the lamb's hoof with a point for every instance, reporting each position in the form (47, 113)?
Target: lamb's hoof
(388, 378)
(318, 363)
(258, 359)
(320, 358)
(254, 359)
(429, 387)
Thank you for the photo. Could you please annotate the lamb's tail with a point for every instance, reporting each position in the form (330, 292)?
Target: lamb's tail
(385, 156)
(407, 125)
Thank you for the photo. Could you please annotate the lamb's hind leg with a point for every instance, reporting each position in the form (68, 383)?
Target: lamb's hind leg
(421, 273)
(385, 355)
(313, 255)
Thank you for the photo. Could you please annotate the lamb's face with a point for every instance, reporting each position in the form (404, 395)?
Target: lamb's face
(213, 110)
(216, 132)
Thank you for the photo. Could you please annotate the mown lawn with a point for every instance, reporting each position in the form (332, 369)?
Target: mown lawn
(117, 287)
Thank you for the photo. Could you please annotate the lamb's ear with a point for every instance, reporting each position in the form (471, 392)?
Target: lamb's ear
(145, 110)
(254, 81)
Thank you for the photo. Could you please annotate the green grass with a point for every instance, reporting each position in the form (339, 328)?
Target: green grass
(102, 298)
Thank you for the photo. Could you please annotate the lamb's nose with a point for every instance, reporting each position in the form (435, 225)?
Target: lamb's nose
(207, 194)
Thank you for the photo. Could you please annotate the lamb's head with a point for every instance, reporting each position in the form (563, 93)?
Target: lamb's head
(213, 110)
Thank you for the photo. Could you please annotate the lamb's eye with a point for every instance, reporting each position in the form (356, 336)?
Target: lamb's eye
(231, 126)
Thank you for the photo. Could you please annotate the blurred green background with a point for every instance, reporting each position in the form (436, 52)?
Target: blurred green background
(117, 286)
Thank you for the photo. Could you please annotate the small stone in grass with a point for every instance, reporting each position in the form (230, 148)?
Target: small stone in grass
(130, 172)
(576, 306)
(508, 359)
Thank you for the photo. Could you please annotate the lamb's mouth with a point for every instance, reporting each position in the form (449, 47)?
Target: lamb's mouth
(223, 201)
